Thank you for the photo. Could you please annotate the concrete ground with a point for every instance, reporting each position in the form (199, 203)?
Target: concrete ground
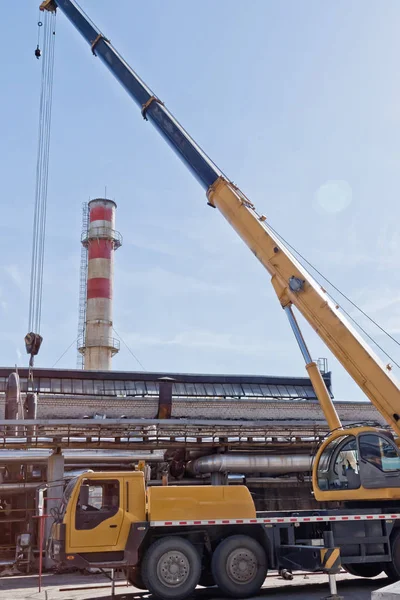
(62, 587)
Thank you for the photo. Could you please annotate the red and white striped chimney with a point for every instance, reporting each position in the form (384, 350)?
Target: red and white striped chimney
(101, 240)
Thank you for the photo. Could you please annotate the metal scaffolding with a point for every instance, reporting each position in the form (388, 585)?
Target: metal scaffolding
(149, 434)
(83, 285)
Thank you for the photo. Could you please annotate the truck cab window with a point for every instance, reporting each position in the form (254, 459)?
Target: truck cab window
(98, 501)
(338, 466)
(380, 452)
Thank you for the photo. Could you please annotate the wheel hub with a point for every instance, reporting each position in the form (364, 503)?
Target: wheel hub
(242, 565)
(173, 568)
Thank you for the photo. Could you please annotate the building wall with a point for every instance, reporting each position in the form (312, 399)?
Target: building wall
(53, 407)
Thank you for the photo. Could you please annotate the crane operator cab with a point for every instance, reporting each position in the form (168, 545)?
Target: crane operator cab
(360, 463)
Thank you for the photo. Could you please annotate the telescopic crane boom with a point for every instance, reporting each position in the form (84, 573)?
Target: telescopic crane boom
(293, 285)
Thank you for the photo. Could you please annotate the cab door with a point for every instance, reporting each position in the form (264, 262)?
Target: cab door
(379, 461)
(96, 521)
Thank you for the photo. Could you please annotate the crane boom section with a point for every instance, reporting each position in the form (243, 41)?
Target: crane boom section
(152, 109)
(310, 299)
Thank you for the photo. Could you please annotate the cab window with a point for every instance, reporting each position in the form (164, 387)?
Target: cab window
(98, 501)
(338, 466)
(380, 452)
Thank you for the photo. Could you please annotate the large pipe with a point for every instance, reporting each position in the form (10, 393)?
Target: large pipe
(14, 488)
(81, 458)
(251, 463)
(102, 239)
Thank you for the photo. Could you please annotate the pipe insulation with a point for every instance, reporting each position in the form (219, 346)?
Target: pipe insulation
(251, 463)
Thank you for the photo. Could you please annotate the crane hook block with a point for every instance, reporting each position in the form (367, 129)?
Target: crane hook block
(33, 341)
(38, 52)
(49, 5)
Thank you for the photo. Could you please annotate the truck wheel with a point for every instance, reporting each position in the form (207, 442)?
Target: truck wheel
(392, 569)
(171, 568)
(364, 569)
(134, 577)
(239, 566)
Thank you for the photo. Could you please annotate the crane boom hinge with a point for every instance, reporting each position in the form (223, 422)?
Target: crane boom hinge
(96, 41)
(146, 105)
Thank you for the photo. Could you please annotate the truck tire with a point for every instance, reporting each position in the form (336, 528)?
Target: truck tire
(239, 566)
(171, 568)
(392, 569)
(364, 569)
(135, 578)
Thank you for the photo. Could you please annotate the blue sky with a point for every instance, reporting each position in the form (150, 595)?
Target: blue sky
(298, 102)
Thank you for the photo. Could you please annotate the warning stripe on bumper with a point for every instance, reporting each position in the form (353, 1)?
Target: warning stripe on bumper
(277, 520)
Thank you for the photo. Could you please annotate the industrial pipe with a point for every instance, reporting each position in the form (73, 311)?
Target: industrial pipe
(14, 488)
(251, 463)
(81, 458)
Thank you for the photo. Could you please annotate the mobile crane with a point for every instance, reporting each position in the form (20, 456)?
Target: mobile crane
(358, 466)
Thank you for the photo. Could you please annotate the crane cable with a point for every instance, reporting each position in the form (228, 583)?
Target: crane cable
(33, 339)
(128, 348)
(303, 260)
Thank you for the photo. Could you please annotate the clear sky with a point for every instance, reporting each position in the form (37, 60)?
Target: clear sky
(298, 102)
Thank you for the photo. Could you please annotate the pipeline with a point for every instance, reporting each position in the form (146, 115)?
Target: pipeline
(14, 488)
(251, 463)
(74, 457)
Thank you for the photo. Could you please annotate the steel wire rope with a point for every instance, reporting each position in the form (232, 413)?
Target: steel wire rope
(65, 352)
(302, 258)
(51, 44)
(39, 26)
(127, 347)
(42, 171)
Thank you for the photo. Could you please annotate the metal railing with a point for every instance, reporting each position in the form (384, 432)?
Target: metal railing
(102, 342)
(101, 233)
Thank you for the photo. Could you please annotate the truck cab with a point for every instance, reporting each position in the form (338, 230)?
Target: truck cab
(96, 515)
(104, 517)
(360, 463)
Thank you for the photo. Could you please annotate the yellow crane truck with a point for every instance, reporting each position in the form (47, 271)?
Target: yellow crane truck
(171, 538)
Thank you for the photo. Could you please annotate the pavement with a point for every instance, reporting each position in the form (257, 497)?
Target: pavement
(64, 587)
(389, 592)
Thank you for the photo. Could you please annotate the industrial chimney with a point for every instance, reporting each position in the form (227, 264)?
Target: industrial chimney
(101, 239)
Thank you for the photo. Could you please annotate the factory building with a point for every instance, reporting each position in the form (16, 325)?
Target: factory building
(189, 429)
